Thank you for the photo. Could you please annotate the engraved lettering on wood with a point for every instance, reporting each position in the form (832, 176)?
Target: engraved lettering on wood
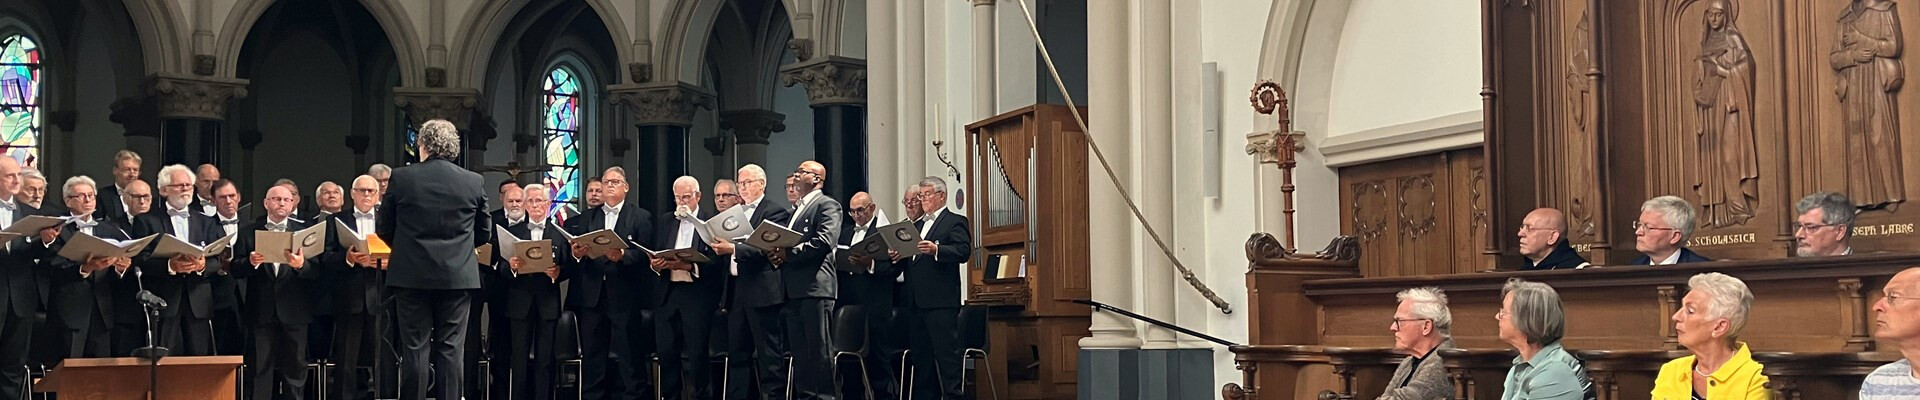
(1867, 63)
(1726, 172)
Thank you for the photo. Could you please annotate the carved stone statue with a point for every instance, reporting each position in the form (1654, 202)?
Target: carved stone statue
(1867, 61)
(1727, 168)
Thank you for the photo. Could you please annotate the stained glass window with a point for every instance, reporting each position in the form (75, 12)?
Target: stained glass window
(561, 123)
(20, 100)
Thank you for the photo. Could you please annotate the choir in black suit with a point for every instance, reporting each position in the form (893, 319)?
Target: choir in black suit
(932, 304)
(873, 289)
(82, 297)
(357, 294)
(608, 299)
(19, 259)
(758, 295)
(532, 306)
(186, 325)
(280, 305)
(685, 316)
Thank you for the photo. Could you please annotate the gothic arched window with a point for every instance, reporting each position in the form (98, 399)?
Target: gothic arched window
(20, 99)
(560, 123)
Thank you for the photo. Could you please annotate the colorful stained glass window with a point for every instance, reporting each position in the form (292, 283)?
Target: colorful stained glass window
(561, 122)
(20, 100)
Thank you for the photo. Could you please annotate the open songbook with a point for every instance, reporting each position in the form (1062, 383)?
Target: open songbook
(171, 246)
(273, 246)
(350, 239)
(771, 236)
(682, 254)
(31, 225)
(82, 247)
(535, 255)
(599, 242)
(902, 237)
(730, 225)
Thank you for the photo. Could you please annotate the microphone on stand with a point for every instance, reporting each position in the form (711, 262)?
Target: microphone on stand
(153, 352)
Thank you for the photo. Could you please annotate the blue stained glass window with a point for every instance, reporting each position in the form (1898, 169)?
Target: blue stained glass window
(558, 140)
(20, 100)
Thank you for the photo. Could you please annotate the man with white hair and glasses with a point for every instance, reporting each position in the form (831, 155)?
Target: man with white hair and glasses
(1421, 326)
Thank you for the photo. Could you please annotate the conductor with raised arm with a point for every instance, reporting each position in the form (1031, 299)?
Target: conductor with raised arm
(433, 216)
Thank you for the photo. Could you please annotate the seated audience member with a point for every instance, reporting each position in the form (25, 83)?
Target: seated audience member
(1532, 321)
(1543, 241)
(1824, 226)
(1665, 224)
(1708, 323)
(1421, 326)
(1899, 325)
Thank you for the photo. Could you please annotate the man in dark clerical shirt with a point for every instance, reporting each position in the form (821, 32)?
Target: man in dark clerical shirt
(1544, 244)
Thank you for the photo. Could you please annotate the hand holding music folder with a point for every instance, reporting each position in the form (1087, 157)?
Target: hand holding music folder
(902, 237)
(682, 254)
(273, 246)
(535, 255)
(30, 226)
(732, 224)
(599, 242)
(82, 247)
(770, 236)
(171, 247)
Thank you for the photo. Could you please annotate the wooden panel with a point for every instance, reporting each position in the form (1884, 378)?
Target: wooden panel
(1407, 211)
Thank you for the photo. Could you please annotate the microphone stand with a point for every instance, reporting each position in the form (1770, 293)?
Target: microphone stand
(153, 352)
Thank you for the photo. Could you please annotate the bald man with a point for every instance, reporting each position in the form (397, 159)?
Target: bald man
(135, 199)
(690, 296)
(1544, 244)
(808, 283)
(1897, 323)
(204, 177)
(869, 284)
(279, 299)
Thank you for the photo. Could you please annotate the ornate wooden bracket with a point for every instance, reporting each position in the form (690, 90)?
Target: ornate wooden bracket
(1669, 302)
(1853, 306)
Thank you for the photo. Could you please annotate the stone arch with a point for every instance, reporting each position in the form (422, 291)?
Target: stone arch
(482, 32)
(163, 35)
(393, 22)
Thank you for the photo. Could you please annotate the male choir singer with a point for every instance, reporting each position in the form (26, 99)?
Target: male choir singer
(434, 215)
(81, 303)
(186, 325)
(691, 294)
(932, 304)
(808, 283)
(21, 282)
(279, 299)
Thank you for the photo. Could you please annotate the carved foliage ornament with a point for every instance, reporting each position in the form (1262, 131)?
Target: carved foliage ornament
(1369, 209)
(1417, 203)
(193, 97)
(668, 105)
(829, 81)
(455, 106)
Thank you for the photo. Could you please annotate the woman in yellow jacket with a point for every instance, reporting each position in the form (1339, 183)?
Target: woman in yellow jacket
(1708, 322)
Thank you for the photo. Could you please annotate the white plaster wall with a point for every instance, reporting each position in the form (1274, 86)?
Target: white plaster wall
(1211, 231)
(1015, 59)
(1404, 61)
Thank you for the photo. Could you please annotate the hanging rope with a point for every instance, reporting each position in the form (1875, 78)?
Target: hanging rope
(1185, 273)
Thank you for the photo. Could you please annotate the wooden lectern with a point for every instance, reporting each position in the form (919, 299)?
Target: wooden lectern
(182, 378)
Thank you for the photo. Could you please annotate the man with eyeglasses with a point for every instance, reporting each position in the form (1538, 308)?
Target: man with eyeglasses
(1422, 325)
(1543, 244)
(82, 299)
(725, 196)
(933, 282)
(807, 289)
(689, 296)
(357, 292)
(492, 298)
(1824, 226)
(135, 199)
(533, 302)
(186, 325)
(757, 294)
(1663, 228)
(609, 292)
(20, 279)
(869, 284)
(279, 298)
(1897, 323)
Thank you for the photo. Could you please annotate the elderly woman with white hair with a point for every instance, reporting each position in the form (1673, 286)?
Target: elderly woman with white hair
(1532, 320)
(1708, 323)
(1421, 326)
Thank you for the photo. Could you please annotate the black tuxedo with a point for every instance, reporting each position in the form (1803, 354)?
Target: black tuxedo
(1686, 256)
(231, 335)
(932, 304)
(186, 325)
(685, 317)
(356, 302)
(757, 296)
(435, 213)
(610, 297)
(490, 302)
(85, 305)
(807, 291)
(873, 290)
(107, 203)
(532, 305)
(279, 300)
(20, 278)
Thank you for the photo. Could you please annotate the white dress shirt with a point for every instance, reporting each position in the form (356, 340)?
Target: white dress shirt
(230, 225)
(613, 214)
(683, 238)
(281, 226)
(733, 263)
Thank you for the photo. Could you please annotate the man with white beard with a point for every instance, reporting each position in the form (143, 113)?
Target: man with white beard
(187, 324)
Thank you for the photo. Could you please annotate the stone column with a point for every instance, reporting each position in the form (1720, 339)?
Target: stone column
(191, 112)
(883, 146)
(662, 113)
(914, 105)
(751, 129)
(1154, 170)
(983, 67)
(1108, 88)
(837, 89)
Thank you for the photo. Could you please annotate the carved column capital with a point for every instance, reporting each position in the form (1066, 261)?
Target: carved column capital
(830, 80)
(752, 126)
(669, 104)
(1273, 147)
(425, 104)
(193, 97)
